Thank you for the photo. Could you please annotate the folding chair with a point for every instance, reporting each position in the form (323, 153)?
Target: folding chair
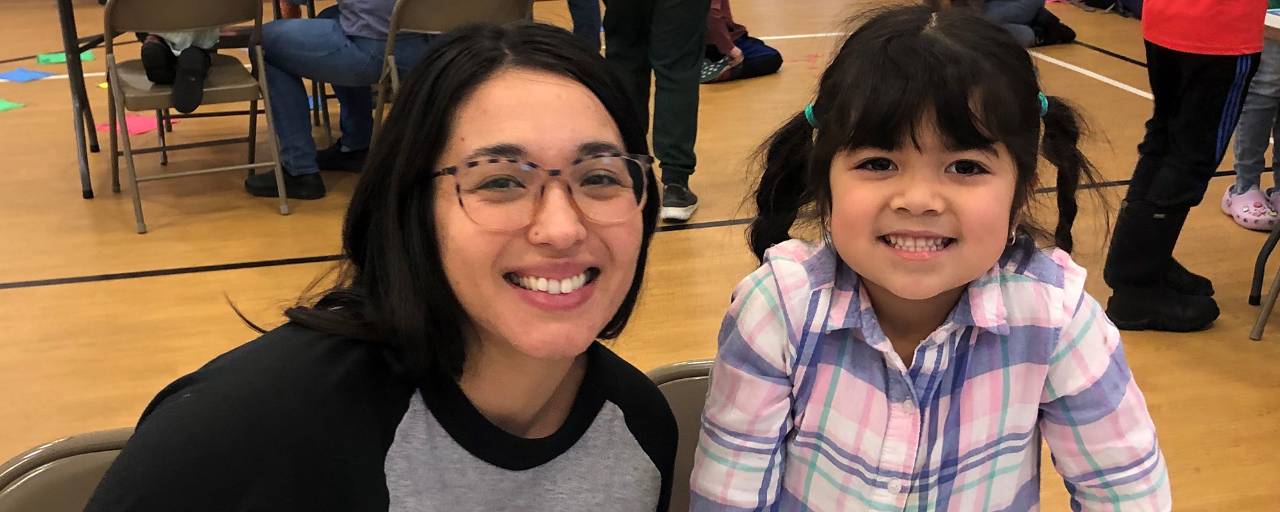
(59, 476)
(227, 81)
(435, 17)
(685, 386)
(1255, 291)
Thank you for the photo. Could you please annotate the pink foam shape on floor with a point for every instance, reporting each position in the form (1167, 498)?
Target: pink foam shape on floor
(138, 124)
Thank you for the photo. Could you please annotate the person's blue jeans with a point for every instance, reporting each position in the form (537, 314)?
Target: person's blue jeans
(318, 49)
(1015, 16)
(1258, 122)
(586, 21)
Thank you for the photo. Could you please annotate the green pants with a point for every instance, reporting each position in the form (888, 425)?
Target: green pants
(665, 38)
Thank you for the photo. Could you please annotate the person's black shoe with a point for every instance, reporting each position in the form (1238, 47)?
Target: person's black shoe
(306, 186)
(1160, 308)
(1187, 282)
(678, 203)
(158, 61)
(188, 81)
(335, 159)
(1059, 33)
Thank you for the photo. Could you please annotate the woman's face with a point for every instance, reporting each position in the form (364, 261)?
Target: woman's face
(508, 280)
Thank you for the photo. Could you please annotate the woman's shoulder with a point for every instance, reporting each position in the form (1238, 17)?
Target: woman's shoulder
(624, 384)
(294, 416)
(295, 364)
(645, 410)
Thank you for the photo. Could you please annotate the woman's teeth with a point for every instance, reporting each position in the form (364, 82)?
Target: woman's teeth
(915, 244)
(553, 286)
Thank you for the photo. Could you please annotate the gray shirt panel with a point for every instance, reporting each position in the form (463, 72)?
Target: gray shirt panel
(605, 470)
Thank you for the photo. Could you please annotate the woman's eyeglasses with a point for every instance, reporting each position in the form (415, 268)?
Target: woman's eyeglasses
(502, 194)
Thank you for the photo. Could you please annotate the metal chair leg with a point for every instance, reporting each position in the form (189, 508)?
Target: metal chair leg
(315, 103)
(1265, 313)
(115, 149)
(1260, 266)
(130, 171)
(324, 114)
(164, 148)
(271, 137)
(253, 131)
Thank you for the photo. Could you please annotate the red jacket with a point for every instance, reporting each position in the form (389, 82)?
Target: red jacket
(1211, 27)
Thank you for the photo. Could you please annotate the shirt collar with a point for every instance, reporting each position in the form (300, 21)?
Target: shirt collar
(982, 304)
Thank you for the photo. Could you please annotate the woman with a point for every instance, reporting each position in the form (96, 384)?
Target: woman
(454, 366)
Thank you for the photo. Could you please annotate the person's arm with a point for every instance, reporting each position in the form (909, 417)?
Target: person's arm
(1095, 420)
(718, 25)
(740, 455)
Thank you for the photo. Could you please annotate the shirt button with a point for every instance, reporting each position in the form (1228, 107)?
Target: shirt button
(895, 486)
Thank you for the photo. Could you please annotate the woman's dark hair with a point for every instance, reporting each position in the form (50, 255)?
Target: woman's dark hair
(903, 68)
(392, 286)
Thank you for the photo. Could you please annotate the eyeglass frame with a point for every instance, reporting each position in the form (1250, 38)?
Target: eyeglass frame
(645, 161)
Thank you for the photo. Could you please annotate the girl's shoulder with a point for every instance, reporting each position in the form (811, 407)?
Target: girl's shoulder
(1031, 286)
(1051, 266)
(798, 262)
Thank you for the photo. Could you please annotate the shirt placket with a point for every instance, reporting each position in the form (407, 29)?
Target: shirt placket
(901, 442)
(902, 438)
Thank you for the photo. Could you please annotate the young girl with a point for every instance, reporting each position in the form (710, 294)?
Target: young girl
(915, 358)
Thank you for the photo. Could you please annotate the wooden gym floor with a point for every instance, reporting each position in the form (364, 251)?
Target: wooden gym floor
(94, 319)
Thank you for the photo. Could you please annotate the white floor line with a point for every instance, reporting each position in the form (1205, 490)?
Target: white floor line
(1101, 78)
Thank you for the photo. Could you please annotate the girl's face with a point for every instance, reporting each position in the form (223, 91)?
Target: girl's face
(920, 222)
(550, 120)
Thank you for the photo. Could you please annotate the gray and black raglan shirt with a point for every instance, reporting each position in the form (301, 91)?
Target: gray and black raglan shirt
(299, 420)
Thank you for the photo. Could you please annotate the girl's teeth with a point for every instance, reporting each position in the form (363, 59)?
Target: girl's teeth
(911, 244)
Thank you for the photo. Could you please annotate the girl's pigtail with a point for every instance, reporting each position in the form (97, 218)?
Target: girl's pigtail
(783, 188)
(1063, 128)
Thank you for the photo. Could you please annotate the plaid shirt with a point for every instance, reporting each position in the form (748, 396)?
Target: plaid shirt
(811, 409)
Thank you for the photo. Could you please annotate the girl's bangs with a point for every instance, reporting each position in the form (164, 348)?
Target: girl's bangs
(915, 82)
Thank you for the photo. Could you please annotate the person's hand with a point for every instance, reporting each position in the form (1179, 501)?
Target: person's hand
(289, 10)
(735, 57)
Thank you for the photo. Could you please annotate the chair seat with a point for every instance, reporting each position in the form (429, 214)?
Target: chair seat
(228, 81)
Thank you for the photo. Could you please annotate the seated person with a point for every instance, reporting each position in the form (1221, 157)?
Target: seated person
(344, 51)
(1030, 23)
(731, 53)
(180, 59)
(455, 365)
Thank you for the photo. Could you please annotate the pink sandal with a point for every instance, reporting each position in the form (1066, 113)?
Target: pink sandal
(1251, 210)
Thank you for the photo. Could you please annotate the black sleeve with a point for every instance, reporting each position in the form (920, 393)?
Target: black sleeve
(647, 414)
(294, 420)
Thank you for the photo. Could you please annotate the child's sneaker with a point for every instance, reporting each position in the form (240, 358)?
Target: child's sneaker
(1251, 210)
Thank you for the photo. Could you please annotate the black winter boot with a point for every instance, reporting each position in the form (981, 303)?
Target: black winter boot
(1138, 262)
(1187, 282)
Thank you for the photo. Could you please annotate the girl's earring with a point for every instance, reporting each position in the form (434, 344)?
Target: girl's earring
(1013, 236)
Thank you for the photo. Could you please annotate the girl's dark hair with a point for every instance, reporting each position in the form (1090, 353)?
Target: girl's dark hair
(391, 285)
(907, 66)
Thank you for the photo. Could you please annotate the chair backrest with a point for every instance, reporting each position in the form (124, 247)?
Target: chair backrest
(438, 16)
(59, 476)
(176, 15)
(685, 385)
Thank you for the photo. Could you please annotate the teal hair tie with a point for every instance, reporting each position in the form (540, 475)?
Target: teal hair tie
(808, 114)
(1044, 105)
